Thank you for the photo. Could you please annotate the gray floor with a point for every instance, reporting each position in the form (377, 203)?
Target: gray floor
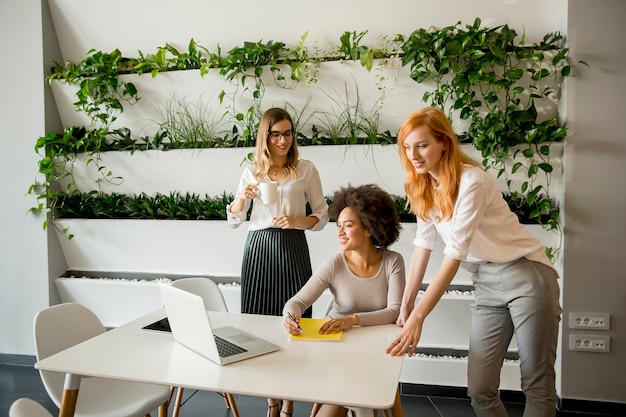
(23, 381)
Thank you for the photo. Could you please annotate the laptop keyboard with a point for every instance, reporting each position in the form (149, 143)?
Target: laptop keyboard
(226, 348)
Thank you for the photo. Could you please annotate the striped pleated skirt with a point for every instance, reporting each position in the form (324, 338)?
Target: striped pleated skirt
(276, 264)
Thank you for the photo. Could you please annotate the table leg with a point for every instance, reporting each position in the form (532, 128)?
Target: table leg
(396, 408)
(70, 395)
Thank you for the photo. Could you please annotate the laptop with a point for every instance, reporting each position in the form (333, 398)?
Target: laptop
(191, 327)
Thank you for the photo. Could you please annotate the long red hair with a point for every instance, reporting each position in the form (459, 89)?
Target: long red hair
(422, 196)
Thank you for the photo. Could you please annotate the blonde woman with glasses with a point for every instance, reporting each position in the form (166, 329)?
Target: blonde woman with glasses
(276, 261)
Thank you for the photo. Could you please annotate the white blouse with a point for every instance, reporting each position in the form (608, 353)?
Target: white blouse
(293, 195)
(482, 228)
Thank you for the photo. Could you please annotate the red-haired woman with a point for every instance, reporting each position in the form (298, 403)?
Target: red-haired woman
(515, 282)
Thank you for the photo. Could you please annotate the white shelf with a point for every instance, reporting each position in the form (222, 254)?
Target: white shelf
(452, 372)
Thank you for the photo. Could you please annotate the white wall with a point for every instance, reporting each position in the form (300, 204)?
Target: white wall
(231, 23)
(24, 285)
(594, 235)
(595, 197)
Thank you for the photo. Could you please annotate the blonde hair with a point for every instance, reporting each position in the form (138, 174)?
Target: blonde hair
(422, 196)
(262, 156)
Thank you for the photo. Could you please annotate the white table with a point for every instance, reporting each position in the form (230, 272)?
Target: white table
(355, 372)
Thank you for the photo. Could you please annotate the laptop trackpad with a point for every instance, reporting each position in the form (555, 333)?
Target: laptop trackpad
(241, 338)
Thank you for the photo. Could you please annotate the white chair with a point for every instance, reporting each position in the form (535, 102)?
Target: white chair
(214, 301)
(25, 407)
(64, 325)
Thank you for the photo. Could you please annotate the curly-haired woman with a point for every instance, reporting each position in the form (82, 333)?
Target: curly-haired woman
(366, 279)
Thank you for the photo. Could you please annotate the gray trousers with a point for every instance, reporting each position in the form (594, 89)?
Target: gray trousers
(520, 297)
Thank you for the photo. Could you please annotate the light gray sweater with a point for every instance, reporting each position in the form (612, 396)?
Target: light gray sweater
(376, 300)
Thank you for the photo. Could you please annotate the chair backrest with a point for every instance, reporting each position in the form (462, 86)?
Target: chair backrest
(205, 288)
(57, 328)
(25, 407)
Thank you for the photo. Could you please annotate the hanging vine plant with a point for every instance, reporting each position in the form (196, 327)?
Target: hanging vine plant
(485, 77)
(491, 79)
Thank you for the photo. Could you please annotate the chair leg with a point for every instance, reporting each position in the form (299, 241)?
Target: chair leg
(230, 400)
(162, 410)
(177, 402)
(315, 409)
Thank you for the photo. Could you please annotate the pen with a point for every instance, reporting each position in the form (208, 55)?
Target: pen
(294, 319)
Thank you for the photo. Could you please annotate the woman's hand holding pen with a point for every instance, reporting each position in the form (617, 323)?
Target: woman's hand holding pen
(291, 324)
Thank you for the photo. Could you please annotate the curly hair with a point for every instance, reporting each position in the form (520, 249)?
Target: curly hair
(375, 208)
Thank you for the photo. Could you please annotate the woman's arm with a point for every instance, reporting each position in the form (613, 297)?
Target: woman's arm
(311, 291)
(285, 222)
(237, 210)
(410, 334)
(317, 200)
(417, 269)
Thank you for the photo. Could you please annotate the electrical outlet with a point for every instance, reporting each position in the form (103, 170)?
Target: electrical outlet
(596, 321)
(589, 343)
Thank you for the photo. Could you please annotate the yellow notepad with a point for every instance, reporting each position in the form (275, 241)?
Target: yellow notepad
(311, 332)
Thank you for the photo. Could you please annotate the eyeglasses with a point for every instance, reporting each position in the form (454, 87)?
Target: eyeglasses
(276, 135)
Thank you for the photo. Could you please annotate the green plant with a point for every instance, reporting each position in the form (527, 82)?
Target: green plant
(173, 206)
(169, 58)
(57, 155)
(189, 125)
(304, 65)
(348, 123)
(490, 78)
(249, 62)
(101, 93)
(352, 49)
(483, 76)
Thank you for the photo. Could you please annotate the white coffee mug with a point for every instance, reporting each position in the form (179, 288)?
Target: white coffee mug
(268, 191)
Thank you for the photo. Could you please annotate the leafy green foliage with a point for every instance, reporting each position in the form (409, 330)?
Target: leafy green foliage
(178, 206)
(483, 76)
(101, 92)
(493, 80)
(352, 49)
(174, 206)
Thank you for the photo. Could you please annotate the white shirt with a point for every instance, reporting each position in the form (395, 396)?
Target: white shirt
(482, 228)
(293, 195)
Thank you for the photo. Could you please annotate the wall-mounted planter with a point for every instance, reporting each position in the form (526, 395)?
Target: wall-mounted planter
(207, 247)
(387, 90)
(114, 301)
(198, 170)
(119, 300)
(444, 371)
